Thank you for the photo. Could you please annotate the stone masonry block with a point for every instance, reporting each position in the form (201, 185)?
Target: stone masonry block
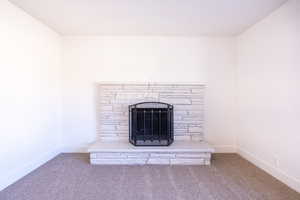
(106, 108)
(119, 161)
(162, 155)
(193, 155)
(195, 129)
(137, 155)
(109, 155)
(187, 161)
(176, 101)
(197, 137)
(158, 161)
(198, 90)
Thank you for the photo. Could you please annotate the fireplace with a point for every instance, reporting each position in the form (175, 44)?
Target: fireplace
(151, 124)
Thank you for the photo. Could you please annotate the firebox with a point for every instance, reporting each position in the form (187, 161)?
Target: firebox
(151, 124)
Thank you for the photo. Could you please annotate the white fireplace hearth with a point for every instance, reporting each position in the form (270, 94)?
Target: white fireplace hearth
(122, 152)
(112, 145)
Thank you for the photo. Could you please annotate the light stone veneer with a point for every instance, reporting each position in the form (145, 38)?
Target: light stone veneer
(112, 108)
(122, 153)
(171, 158)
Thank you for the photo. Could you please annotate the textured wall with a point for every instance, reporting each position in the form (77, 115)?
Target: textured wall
(113, 99)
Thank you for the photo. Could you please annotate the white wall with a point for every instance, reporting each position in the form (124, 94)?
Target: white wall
(30, 93)
(88, 60)
(269, 93)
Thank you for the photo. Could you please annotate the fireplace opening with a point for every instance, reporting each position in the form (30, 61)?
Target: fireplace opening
(151, 124)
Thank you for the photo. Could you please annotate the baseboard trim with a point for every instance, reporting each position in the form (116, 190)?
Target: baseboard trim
(79, 148)
(19, 172)
(224, 149)
(275, 172)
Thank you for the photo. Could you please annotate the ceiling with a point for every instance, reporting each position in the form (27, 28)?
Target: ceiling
(149, 17)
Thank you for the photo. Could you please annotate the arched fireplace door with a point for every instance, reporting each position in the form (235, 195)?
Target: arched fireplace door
(151, 124)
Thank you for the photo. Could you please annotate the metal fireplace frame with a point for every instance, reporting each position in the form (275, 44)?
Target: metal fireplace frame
(162, 111)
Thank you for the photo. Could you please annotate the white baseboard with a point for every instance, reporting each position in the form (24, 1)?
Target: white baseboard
(277, 173)
(224, 149)
(78, 148)
(26, 168)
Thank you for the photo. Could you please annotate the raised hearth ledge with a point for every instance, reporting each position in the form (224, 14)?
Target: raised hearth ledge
(125, 146)
(148, 83)
(123, 153)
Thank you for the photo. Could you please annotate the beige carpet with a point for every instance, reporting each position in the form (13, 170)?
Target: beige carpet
(71, 177)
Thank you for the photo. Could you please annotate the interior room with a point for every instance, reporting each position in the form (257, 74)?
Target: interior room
(149, 99)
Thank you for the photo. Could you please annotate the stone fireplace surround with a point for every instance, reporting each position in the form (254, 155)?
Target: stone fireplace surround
(112, 146)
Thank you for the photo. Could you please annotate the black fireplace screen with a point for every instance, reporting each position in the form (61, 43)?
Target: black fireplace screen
(151, 124)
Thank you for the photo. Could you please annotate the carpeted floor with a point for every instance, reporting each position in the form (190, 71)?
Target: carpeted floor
(71, 177)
